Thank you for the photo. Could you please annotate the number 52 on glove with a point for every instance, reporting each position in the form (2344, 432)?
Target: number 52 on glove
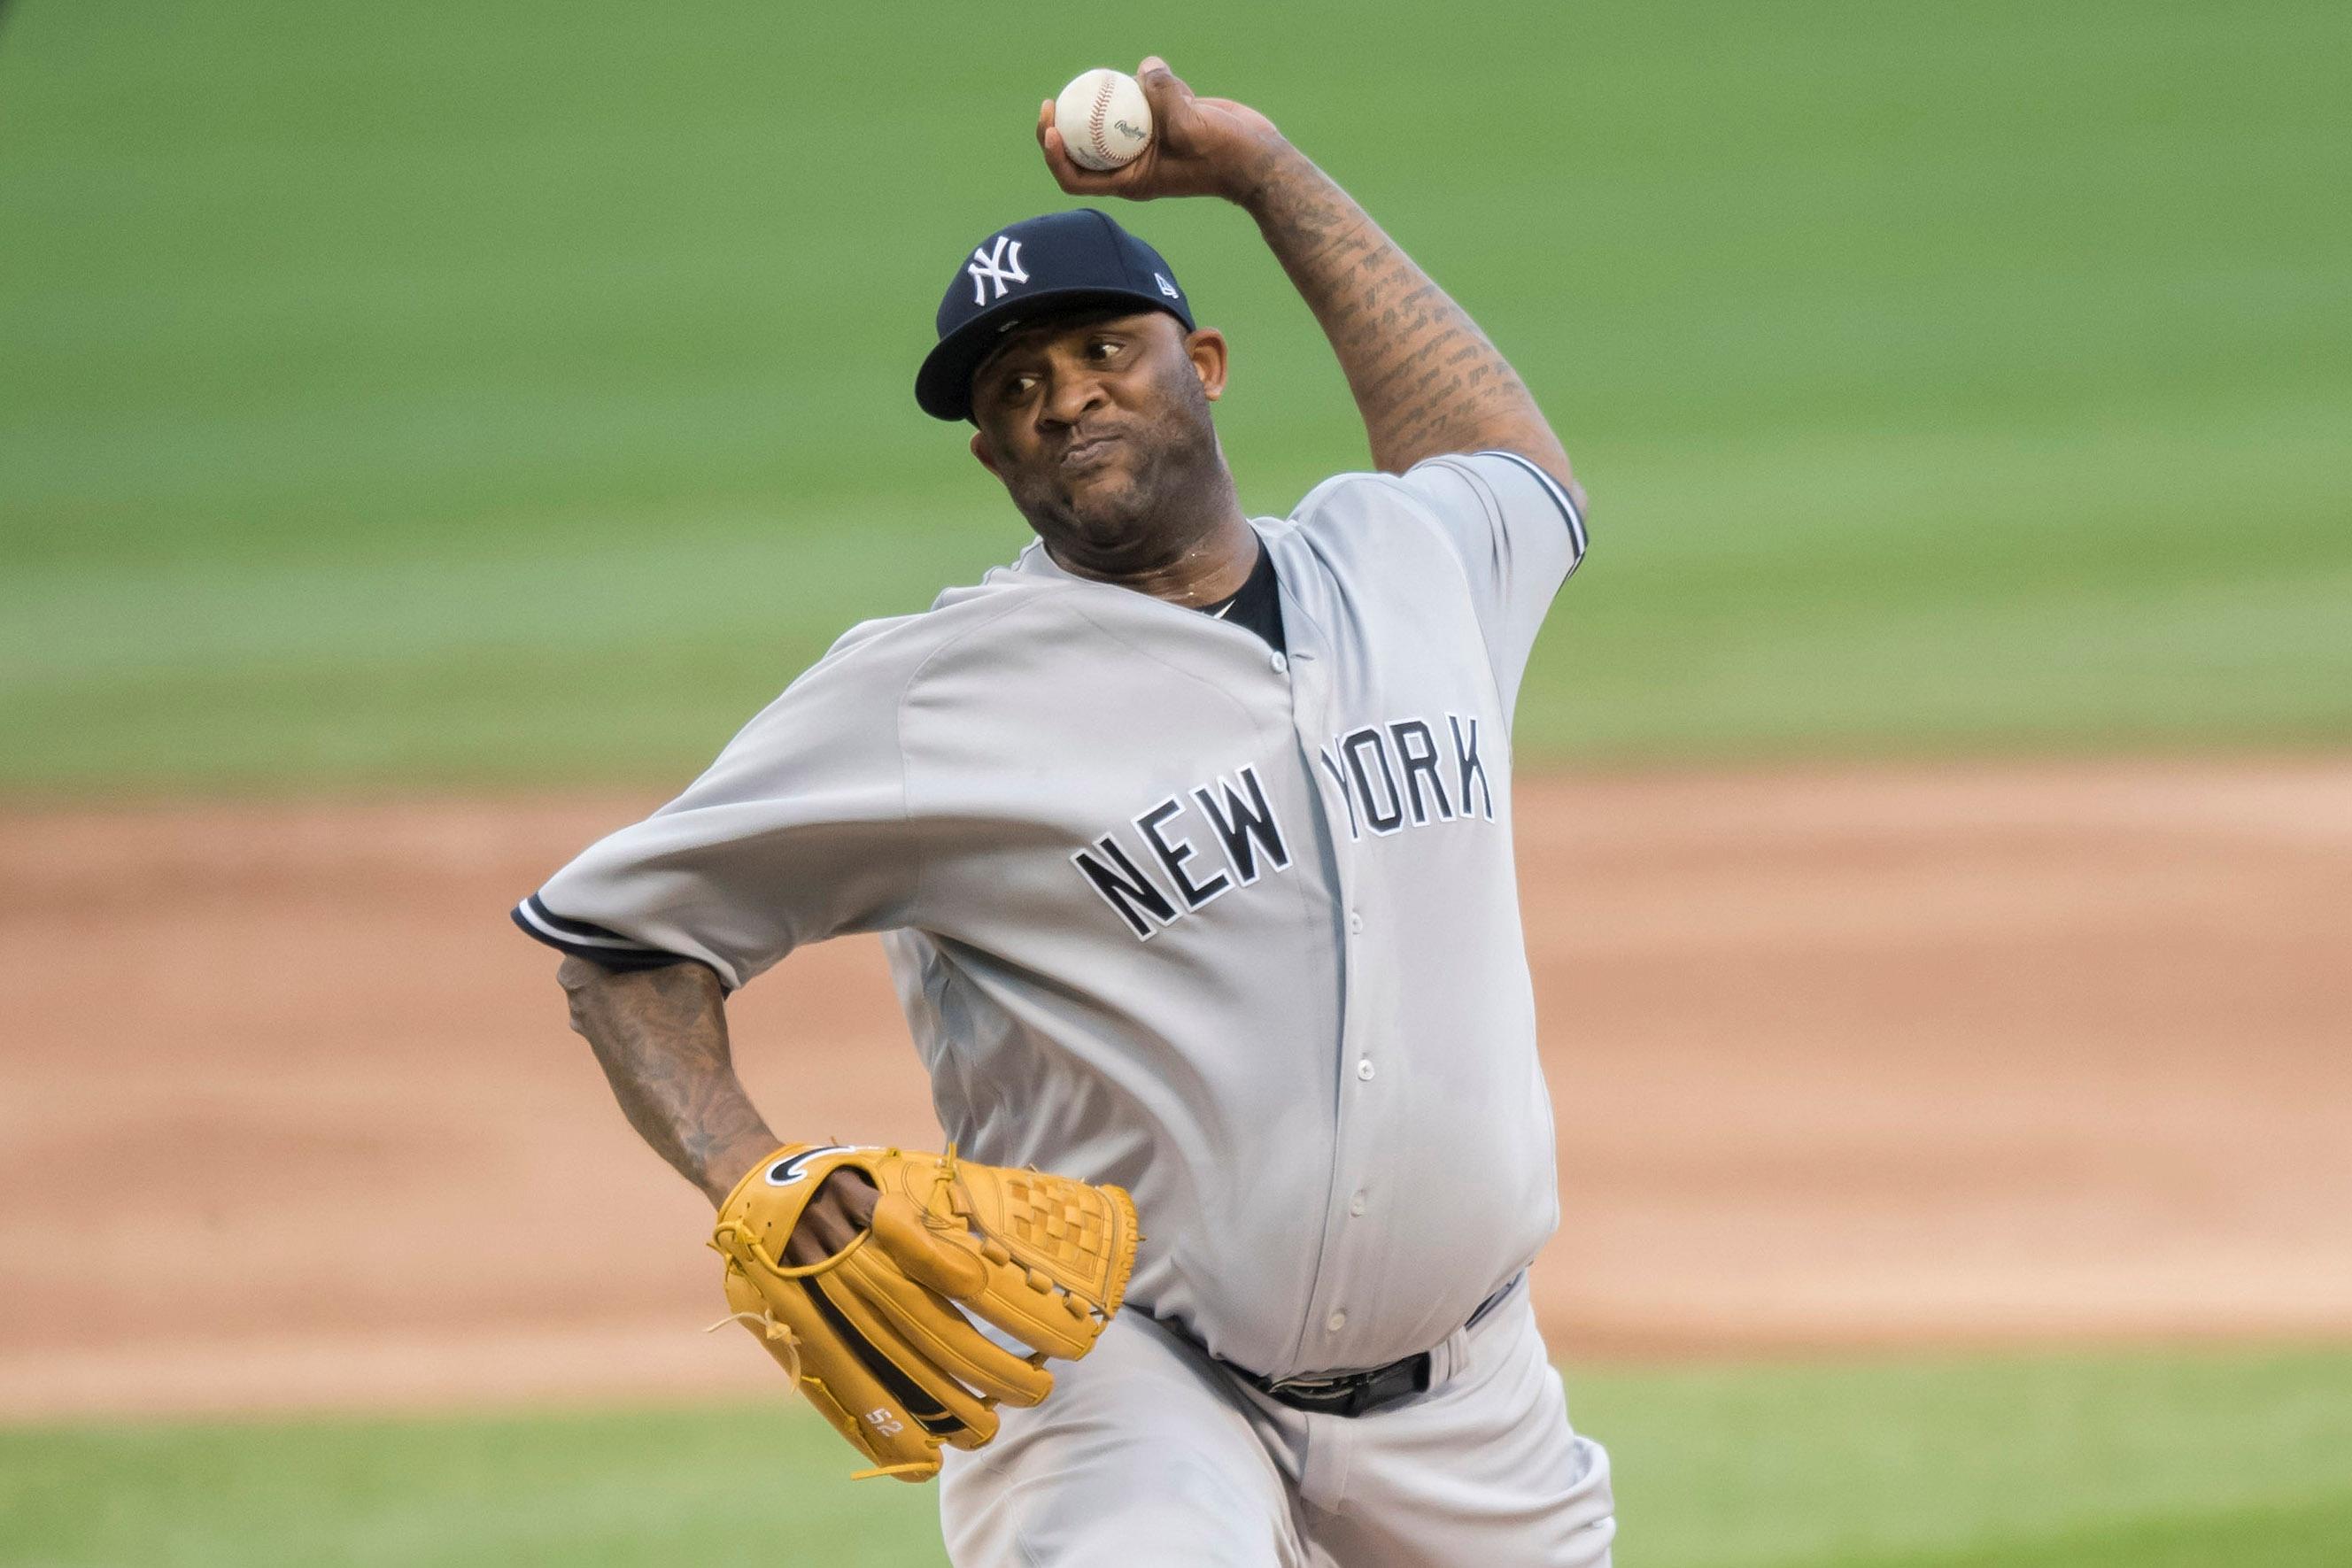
(876, 1336)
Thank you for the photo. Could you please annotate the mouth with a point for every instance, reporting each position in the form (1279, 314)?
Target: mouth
(1088, 453)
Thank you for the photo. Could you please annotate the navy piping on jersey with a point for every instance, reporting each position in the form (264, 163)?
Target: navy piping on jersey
(584, 940)
(1559, 495)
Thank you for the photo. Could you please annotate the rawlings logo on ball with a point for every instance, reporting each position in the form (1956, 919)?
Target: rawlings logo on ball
(1104, 118)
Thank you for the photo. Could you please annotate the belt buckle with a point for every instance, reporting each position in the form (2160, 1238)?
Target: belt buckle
(1342, 1396)
(1357, 1393)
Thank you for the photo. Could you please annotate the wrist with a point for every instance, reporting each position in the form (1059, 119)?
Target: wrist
(1256, 178)
(725, 1170)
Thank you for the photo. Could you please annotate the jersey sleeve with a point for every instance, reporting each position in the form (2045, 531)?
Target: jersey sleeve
(1518, 535)
(797, 832)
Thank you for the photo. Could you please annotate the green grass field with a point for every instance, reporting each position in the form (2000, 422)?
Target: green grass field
(459, 395)
(2242, 1459)
(517, 395)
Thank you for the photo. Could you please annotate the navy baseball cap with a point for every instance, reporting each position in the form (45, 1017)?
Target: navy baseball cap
(1027, 273)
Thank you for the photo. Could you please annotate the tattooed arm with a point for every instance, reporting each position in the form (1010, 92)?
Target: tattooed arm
(661, 1036)
(1424, 377)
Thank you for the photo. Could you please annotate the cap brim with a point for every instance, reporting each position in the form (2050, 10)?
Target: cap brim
(943, 384)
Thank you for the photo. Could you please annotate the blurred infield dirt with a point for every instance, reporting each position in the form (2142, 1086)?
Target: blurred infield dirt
(289, 1115)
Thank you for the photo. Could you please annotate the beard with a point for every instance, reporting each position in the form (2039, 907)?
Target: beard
(1149, 498)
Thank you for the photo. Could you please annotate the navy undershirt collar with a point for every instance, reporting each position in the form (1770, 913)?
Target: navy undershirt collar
(1256, 604)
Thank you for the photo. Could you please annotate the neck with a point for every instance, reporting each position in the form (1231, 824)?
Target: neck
(1211, 564)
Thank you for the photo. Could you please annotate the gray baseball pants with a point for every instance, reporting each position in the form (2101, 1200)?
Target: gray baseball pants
(1149, 1455)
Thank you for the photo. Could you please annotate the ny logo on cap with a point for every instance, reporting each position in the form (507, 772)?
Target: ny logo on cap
(1001, 266)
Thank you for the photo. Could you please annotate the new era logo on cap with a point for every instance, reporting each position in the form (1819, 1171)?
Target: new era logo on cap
(1025, 273)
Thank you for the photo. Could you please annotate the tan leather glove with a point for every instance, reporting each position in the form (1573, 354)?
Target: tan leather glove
(876, 1336)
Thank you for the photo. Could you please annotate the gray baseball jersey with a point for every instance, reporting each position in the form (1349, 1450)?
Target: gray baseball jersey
(1236, 929)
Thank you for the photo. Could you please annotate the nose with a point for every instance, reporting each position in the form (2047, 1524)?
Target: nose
(1070, 393)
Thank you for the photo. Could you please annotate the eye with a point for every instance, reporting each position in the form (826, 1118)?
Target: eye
(1104, 348)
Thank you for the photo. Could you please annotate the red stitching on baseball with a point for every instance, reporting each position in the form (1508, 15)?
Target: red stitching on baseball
(1095, 121)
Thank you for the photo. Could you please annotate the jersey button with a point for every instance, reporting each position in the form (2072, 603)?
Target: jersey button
(1355, 923)
(1356, 1204)
(1364, 1068)
(1336, 1321)
(1280, 663)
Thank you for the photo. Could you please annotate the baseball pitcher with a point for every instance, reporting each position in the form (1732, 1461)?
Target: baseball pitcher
(1189, 837)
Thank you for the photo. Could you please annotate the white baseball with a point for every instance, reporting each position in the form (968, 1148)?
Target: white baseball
(1104, 119)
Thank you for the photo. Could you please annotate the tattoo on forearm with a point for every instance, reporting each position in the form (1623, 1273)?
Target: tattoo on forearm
(661, 1038)
(1425, 378)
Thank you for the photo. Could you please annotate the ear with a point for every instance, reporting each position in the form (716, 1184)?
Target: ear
(1206, 349)
(985, 452)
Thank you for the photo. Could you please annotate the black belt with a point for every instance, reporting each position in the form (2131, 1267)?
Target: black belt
(1358, 1393)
